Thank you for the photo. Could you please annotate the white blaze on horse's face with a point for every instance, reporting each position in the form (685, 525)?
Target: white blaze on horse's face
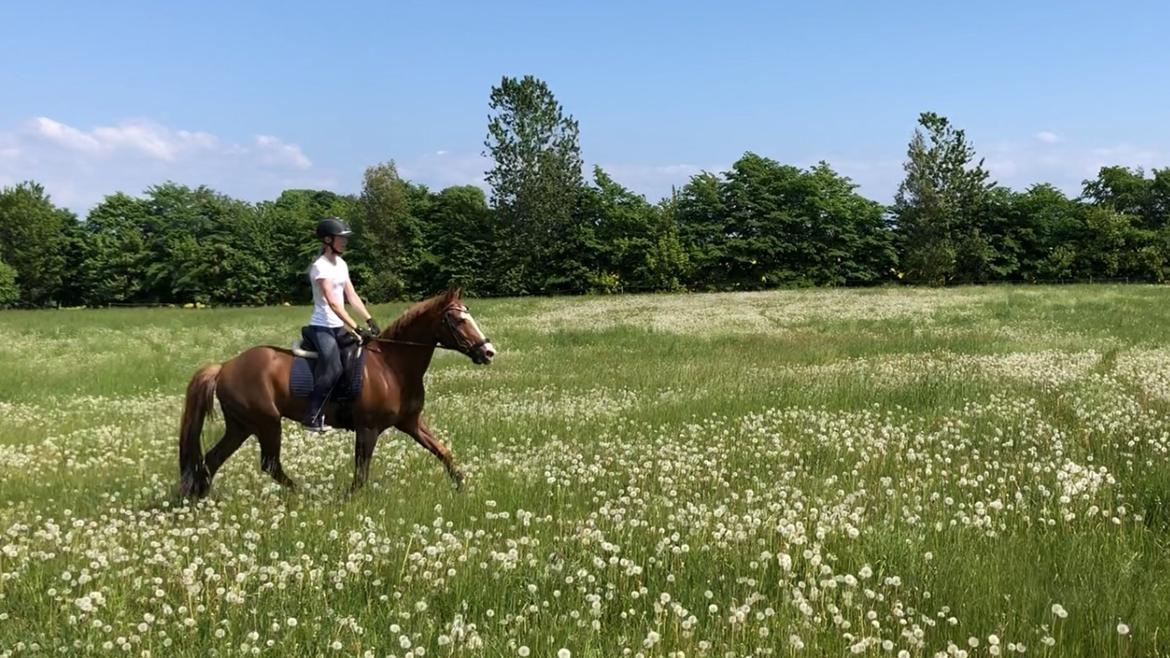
(488, 350)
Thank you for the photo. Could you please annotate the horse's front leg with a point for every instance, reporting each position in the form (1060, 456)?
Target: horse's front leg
(363, 452)
(418, 430)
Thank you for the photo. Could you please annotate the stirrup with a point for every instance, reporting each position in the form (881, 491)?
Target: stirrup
(317, 425)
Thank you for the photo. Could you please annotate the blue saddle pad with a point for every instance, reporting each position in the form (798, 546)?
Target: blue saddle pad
(349, 387)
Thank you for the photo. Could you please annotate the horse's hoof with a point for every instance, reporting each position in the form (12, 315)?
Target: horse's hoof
(194, 487)
(195, 484)
(457, 478)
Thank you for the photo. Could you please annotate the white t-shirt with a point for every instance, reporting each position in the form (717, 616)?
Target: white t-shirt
(338, 275)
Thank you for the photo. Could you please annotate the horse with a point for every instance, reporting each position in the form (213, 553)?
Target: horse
(253, 393)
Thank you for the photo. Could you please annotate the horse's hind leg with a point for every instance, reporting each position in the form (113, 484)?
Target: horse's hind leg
(269, 436)
(234, 435)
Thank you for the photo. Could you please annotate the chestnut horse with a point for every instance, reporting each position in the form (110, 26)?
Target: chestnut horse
(253, 393)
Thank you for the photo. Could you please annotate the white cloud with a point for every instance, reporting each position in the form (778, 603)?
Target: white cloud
(80, 166)
(650, 180)
(444, 168)
(1015, 164)
(274, 152)
(1065, 164)
(138, 136)
(64, 135)
(876, 179)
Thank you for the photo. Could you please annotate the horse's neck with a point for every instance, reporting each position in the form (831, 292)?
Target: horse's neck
(408, 362)
(411, 361)
(422, 329)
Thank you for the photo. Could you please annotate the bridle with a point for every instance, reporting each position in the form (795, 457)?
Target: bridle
(465, 346)
(462, 345)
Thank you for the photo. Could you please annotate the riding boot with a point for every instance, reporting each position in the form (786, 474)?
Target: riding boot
(314, 420)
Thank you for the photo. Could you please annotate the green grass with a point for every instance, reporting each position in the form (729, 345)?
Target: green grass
(786, 473)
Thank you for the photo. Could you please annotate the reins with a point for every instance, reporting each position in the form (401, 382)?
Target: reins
(379, 339)
(450, 326)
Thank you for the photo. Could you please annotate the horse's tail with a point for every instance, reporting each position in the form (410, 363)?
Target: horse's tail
(194, 480)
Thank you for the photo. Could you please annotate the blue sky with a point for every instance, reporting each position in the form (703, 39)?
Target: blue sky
(252, 98)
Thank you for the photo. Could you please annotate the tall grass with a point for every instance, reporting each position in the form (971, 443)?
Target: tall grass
(882, 472)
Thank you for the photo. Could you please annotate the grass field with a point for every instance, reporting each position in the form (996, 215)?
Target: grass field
(899, 472)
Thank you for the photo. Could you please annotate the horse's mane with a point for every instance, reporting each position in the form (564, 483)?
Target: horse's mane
(410, 315)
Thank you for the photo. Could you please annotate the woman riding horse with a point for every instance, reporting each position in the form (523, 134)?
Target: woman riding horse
(254, 393)
(329, 324)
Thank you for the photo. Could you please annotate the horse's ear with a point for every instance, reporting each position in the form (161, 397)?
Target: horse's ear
(455, 294)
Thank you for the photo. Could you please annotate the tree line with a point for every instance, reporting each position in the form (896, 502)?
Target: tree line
(548, 229)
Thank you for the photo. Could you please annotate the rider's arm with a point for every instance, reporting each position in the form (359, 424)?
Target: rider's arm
(351, 296)
(335, 304)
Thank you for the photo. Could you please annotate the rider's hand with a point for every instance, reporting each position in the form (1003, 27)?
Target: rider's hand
(373, 326)
(367, 335)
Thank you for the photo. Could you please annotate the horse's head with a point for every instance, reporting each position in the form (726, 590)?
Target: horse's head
(460, 331)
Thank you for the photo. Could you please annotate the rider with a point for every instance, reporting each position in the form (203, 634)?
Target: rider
(329, 276)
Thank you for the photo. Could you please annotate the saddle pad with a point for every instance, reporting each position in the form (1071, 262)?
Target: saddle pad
(349, 387)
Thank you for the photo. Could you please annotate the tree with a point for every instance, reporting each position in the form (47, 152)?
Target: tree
(850, 241)
(1107, 233)
(635, 245)
(1128, 191)
(31, 231)
(1158, 208)
(74, 249)
(1124, 190)
(1128, 223)
(114, 251)
(460, 242)
(286, 239)
(238, 260)
(9, 291)
(990, 247)
(701, 216)
(941, 204)
(764, 224)
(766, 241)
(193, 238)
(388, 246)
(1047, 229)
(535, 181)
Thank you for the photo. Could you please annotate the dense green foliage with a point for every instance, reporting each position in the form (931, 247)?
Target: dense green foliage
(547, 229)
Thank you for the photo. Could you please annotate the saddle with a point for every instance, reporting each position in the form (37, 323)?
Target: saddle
(353, 360)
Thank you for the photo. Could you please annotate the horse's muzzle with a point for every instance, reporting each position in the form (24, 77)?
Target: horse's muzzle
(484, 354)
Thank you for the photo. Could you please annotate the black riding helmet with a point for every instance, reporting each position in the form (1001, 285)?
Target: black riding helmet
(331, 226)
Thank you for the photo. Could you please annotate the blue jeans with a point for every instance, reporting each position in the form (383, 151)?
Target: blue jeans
(327, 370)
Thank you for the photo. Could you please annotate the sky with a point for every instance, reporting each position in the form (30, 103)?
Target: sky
(252, 98)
